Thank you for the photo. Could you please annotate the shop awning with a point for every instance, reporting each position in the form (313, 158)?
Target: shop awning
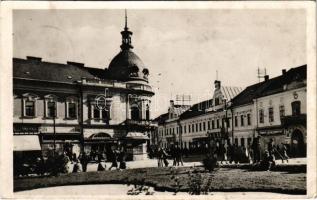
(137, 135)
(26, 143)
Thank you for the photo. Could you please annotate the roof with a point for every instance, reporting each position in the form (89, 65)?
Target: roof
(270, 86)
(161, 119)
(197, 109)
(126, 63)
(179, 109)
(65, 73)
(230, 92)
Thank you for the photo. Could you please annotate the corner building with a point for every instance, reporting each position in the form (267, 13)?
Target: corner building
(72, 107)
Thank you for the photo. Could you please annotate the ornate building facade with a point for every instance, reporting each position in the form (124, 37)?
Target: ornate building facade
(77, 108)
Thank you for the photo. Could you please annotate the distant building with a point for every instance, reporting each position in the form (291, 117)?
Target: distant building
(272, 109)
(197, 123)
(71, 107)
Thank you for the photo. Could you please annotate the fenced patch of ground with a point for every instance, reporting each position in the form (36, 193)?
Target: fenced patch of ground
(163, 179)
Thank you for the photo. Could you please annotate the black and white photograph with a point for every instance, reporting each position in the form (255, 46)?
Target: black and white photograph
(164, 102)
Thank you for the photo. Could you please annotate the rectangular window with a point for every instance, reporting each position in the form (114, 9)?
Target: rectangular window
(235, 121)
(213, 124)
(249, 119)
(271, 115)
(51, 112)
(296, 108)
(217, 123)
(72, 110)
(242, 142)
(196, 127)
(189, 130)
(204, 126)
(193, 128)
(282, 111)
(208, 125)
(228, 122)
(261, 116)
(104, 114)
(242, 120)
(199, 126)
(29, 108)
(96, 113)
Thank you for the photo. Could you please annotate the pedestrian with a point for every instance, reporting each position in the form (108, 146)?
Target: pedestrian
(268, 161)
(121, 158)
(179, 158)
(256, 150)
(77, 166)
(270, 147)
(113, 157)
(84, 161)
(160, 157)
(284, 153)
(101, 167)
(164, 154)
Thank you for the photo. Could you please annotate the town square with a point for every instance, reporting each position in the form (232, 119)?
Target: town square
(160, 102)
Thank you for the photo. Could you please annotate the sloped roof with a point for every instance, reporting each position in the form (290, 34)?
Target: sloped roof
(197, 109)
(230, 92)
(161, 119)
(47, 71)
(269, 87)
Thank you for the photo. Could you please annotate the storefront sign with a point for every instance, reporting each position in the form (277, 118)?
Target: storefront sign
(25, 128)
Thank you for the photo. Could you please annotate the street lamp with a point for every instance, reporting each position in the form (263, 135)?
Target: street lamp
(54, 129)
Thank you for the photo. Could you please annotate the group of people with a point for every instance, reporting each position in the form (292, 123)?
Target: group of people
(230, 153)
(66, 162)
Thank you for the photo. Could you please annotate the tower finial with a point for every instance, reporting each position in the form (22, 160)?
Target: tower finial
(126, 34)
(126, 19)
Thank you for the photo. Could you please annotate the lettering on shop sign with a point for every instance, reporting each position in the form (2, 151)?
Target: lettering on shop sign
(25, 129)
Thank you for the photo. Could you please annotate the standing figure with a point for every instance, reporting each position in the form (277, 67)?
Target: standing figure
(121, 158)
(160, 157)
(84, 161)
(256, 150)
(113, 158)
(284, 153)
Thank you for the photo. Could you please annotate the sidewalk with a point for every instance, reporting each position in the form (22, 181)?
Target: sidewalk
(153, 163)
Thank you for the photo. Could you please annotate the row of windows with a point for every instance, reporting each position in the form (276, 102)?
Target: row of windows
(29, 109)
(213, 124)
(295, 111)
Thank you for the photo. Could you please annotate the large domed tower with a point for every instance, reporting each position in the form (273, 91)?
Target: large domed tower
(126, 65)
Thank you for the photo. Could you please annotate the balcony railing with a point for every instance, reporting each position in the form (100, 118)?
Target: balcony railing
(139, 87)
(140, 122)
(294, 119)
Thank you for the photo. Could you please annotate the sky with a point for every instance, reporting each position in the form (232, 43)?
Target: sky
(183, 49)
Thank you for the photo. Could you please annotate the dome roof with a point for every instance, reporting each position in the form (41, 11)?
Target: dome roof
(126, 65)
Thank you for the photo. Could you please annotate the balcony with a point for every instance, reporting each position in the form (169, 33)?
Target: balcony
(140, 87)
(140, 123)
(293, 120)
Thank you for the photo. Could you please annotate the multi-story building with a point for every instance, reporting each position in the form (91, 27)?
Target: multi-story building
(272, 109)
(200, 122)
(71, 107)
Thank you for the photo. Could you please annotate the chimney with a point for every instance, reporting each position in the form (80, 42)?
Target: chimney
(266, 77)
(283, 71)
(171, 103)
(217, 84)
(77, 64)
(34, 59)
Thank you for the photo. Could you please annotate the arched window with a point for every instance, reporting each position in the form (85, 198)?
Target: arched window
(29, 105)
